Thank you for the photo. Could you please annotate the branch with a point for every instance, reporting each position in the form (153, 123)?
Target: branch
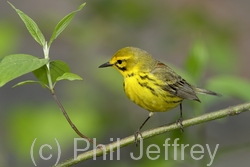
(230, 111)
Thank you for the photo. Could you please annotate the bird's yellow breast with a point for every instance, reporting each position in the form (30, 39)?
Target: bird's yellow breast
(146, 91)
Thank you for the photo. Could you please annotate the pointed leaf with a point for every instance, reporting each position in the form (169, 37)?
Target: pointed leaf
(64, 23)
(41, 74)
(31, 26)
(57, 69)
(13, 66)
(28, 82)
(69, 76)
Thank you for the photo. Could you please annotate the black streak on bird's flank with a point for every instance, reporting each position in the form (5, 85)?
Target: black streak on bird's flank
(130, 75)
(146, 77)
(123, 85)
(148, 87)
(174, 101)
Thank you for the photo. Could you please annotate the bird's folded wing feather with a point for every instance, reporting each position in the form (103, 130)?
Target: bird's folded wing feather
(173, 83)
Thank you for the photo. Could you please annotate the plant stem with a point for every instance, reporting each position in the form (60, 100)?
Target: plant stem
(231, 111)
(46, 56)
(51, 88)
(69, 120)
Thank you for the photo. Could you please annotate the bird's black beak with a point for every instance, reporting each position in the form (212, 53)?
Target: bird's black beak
(107, 64)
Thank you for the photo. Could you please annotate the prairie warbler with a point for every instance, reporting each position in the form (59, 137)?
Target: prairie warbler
(151, 84)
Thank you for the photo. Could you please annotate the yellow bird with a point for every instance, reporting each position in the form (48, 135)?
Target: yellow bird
(151, 84)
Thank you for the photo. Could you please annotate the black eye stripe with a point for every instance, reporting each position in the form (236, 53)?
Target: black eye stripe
(121, 68)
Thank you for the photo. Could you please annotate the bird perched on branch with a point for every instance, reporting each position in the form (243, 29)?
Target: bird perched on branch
(151, 84)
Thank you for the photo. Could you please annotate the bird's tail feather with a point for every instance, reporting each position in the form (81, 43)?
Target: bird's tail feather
(204, 91)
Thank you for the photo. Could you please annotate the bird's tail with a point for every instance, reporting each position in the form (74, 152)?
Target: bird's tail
(204, 91)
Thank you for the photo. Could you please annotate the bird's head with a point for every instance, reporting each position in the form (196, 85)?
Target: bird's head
(130, 59)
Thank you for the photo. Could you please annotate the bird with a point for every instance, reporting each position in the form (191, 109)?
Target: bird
(152, 84)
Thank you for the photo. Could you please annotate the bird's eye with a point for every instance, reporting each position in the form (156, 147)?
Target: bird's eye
(119, 61)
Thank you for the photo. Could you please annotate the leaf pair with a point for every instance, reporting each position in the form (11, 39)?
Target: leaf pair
(36, 32)
(48, 73)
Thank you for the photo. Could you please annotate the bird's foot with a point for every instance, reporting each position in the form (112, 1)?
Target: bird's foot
(179, 121)
(137, 138)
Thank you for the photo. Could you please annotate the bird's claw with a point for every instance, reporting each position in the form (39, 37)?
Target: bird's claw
(179, 121)
(137, 134)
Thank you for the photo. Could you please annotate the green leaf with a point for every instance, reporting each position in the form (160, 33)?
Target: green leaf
(230, 86)
(63, 24)
(41, 74)
(196, 61)
(28, 82)
(57, 69)
(69, 76)
(31, 26)
(13, 66)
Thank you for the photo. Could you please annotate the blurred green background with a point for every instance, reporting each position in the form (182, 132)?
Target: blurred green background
(207, 42)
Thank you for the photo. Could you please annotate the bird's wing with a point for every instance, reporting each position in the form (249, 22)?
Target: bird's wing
(173, 83)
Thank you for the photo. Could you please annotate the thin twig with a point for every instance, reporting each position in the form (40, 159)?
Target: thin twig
(69, 120)
(231, 111)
